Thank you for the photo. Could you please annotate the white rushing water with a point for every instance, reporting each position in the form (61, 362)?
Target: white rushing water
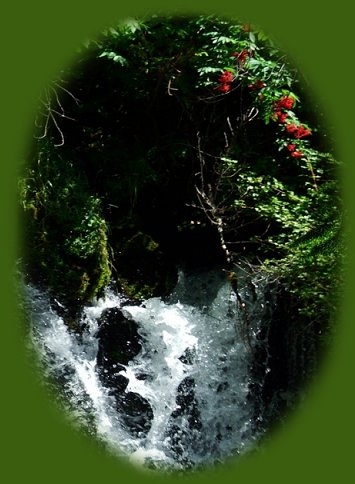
(196, 365)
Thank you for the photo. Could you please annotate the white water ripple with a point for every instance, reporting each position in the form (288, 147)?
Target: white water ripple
(196, 366)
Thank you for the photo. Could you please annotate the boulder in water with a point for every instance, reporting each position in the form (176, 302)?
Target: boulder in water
(118, 337)
(188, 356)
(136, 413)
(119, 342)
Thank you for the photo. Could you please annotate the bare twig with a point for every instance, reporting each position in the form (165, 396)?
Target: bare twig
(207, 200)
(54, 109)
(310, 168)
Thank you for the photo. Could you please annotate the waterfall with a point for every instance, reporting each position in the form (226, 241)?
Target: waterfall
(184, 397)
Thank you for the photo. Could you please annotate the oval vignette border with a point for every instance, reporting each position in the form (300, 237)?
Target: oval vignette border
(39, 443)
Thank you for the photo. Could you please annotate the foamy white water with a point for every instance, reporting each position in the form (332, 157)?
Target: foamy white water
(196, 364)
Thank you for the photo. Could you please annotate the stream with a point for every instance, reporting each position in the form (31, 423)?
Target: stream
(184, 398)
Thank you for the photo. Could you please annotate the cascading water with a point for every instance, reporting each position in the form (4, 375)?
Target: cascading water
(187, 401)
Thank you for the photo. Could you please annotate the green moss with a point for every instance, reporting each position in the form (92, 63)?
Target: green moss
(136, 291)
(143, 271)
(65, 235)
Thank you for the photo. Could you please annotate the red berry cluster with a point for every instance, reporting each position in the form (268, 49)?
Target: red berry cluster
(256, 85)
(297, 131)
(294, 153)
(226, 77)
(281, 107)
(242, 56)
(279, 114)
(225, 80)
(285, 102)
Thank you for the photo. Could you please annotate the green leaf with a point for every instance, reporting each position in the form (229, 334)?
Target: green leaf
(229, 161)
(115, 57)
(224, 40)
(205, 70)
(120, 60)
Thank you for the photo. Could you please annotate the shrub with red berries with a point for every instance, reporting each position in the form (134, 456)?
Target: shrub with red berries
(272, 104)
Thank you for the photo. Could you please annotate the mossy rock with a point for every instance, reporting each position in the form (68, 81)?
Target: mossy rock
(143, 270)
(64, 233)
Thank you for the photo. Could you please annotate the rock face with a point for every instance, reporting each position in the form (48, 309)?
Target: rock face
(119, 342)
(284, 362)
(144, 270)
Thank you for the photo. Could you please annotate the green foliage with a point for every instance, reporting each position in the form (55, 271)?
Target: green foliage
(66, 237)
(313, 275)
(272, 201)
(301, 230)
(184, 123)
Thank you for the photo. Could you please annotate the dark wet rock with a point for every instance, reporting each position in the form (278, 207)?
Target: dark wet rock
(185, 423)
(136, 413)
(186, 395)
(188, 356)
(71, 315)
(112, 380)
(144, 376)
(119, 342)
(118, 337)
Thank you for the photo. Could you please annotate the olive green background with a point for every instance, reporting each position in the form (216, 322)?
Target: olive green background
(37, 443)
